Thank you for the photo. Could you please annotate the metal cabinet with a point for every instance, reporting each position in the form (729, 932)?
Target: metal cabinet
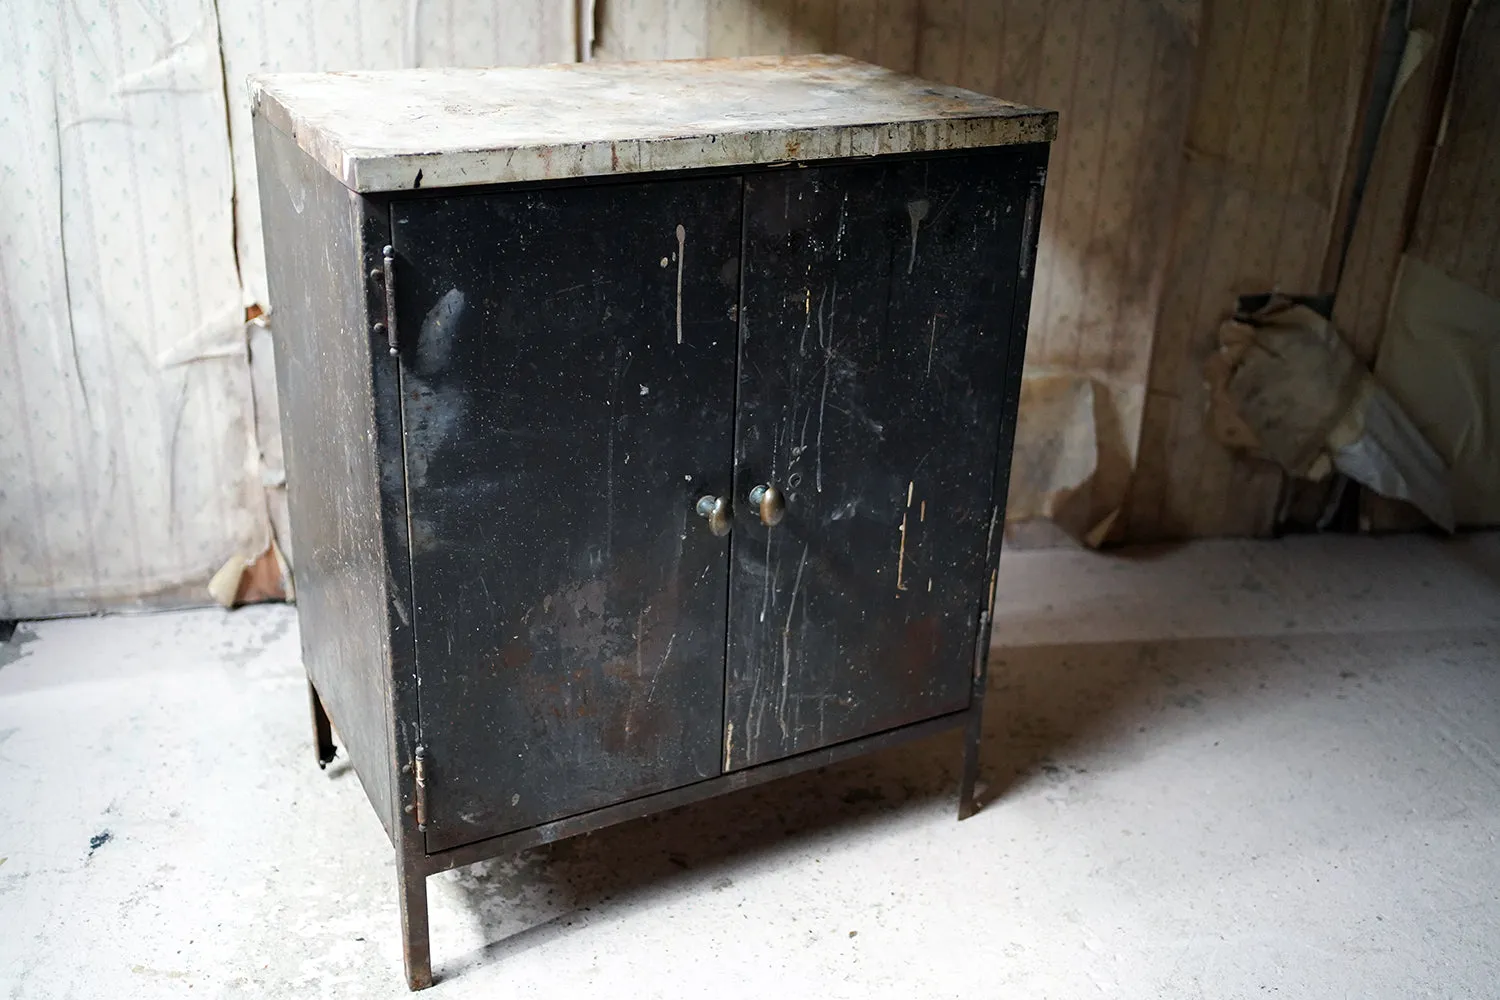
(643, 456)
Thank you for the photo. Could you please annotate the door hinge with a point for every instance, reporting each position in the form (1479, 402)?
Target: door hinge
(385, 274)
(1028, 227)
(419, 779)
(981, 648)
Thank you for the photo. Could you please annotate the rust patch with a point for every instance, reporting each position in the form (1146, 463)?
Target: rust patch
(637, 731)
(910, 654)
(515, 655)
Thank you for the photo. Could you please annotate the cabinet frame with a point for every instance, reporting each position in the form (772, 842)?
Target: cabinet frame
(327, 268)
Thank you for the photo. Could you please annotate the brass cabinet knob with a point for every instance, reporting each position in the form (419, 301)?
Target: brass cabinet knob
(771, 504)
(716, 511)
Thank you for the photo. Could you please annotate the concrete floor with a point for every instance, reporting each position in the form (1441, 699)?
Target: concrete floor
(1225, 770)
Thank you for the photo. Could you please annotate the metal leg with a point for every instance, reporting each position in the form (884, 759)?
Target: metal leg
(415, 949)
(322, 729)
(974, 728)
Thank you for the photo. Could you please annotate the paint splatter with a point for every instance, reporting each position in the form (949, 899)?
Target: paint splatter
(681, 246)
(918, 211)
(901, 558)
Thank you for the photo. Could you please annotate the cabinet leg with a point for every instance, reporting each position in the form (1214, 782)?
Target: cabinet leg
(967, 806)
(974, 727)
(415, 949)
(322, 729)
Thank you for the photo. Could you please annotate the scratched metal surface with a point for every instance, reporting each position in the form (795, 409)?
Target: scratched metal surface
(877, 320)
(326, 386)
(568, 366)
(398, 130)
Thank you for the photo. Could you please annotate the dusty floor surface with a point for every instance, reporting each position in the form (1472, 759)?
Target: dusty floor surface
(1226, 770)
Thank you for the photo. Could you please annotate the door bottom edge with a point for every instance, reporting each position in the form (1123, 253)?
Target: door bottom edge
(697, 791)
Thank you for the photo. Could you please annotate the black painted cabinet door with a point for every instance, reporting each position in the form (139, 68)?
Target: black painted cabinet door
(567, 359)
(877, 315)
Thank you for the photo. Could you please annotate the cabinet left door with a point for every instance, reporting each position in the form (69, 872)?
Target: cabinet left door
(567, 363)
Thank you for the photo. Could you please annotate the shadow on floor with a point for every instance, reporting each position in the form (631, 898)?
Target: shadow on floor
(524, 901)
(1051, 713)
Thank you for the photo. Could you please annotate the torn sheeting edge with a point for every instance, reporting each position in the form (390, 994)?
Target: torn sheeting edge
(1377, 446)
(222, 336)
(234, 341)
(224, 587)
(1440, 359)
(1056, 475)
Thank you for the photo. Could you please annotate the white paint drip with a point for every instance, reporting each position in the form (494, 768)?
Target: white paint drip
(786, 646)
(838, 243)
(651, 690)
(609, 467)
(901, 557)
(807, 318)
(681, 244)
(765, 599)
(918, 211)
(825, 341)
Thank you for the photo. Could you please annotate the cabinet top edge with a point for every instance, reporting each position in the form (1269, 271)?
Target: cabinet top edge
(398, 130)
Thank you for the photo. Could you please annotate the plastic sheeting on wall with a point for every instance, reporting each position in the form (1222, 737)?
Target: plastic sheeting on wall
(131, 465)
(1200, 154)
(1440, 357)
(126, 431)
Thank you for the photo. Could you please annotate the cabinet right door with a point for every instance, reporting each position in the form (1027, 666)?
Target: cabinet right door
(876, 319)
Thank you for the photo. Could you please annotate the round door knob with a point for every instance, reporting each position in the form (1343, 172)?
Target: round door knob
(772, 505)
(716, 511)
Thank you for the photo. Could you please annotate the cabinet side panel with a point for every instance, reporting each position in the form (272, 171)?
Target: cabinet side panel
(324, 355)
(1030, 166)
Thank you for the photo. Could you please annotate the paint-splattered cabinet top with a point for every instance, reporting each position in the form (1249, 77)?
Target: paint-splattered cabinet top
(398, 130)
